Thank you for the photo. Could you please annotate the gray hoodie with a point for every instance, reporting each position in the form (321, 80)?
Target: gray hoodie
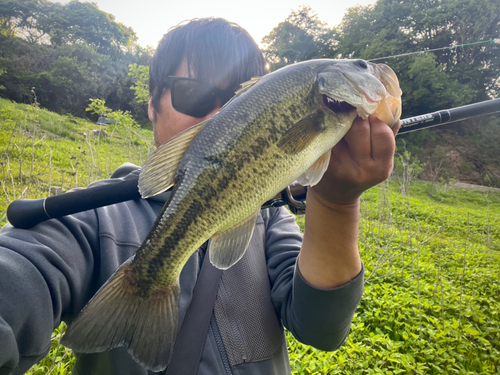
(48, 273)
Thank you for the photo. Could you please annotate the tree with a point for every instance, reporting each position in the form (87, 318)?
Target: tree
(455, 75)
(428, 87)
(140, 77)
(302, 36)
(68, 84)
(21, 62)
(78, 22)
(2, 72)
(40, 21)
(69, 53)
(25, 19)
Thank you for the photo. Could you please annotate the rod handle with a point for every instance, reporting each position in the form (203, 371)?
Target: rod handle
(26, 213)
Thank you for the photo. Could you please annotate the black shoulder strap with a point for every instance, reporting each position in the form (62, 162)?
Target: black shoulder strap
(193, 333)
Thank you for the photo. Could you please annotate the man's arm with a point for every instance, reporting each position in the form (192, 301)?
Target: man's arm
(317, 295)
(329, 255)
(43, 272)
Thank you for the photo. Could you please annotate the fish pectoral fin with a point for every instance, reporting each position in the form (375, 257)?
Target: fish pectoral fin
(315, 172)
(121, 314)
(227, 248)
(302, 133)
(158, 171)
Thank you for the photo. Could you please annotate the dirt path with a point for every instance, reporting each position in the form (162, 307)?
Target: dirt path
(463, 185)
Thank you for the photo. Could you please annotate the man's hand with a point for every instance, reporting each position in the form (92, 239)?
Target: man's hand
(362, 159)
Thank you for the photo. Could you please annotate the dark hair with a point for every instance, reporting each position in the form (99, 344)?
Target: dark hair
(216, 51)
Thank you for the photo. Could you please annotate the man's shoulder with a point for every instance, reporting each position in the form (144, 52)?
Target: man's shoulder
(124, 170)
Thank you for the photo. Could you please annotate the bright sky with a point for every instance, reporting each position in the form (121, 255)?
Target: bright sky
(150, 19)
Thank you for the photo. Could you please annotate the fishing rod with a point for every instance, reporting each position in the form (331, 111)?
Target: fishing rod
(26, 213)
(447, 116)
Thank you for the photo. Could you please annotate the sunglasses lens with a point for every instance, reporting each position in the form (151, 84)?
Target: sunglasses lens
(192, 97)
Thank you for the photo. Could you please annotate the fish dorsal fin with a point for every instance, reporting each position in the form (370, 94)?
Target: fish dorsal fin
(228, 247)
(243, 87)
(246, 85)
(302, 133)
(316, 171)
(158, 171)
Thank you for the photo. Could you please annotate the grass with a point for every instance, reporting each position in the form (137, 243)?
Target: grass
(431, 253)
(41, 151)
(431, 303)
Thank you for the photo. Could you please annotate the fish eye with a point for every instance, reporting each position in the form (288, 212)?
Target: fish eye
(361, 63)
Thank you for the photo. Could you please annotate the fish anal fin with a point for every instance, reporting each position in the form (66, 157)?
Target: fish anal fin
(227, 248)
(120, 315)
(302, 133)
(158, 171)
(316, 171)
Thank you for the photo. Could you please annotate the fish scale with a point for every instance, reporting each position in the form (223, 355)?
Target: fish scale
(275, 130)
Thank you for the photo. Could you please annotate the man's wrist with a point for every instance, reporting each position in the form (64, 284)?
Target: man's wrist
(329, 256)
(342, 205)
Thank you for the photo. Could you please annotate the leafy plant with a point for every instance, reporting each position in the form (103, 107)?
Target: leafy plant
(140, 76)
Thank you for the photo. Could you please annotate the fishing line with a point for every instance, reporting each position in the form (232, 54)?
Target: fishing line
(496, 41)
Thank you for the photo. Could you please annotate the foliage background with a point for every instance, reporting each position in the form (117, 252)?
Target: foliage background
(68, 54)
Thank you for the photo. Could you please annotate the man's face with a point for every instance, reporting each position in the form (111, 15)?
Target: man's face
(169, 122)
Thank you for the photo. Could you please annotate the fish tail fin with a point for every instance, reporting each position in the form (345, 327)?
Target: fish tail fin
(121, 315)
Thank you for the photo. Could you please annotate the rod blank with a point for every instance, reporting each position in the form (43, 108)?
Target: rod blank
(447, 116)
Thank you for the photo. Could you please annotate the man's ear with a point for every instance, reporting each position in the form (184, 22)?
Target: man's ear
(151, 111)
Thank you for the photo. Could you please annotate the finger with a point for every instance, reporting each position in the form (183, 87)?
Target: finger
(383, 143)
(358, 139)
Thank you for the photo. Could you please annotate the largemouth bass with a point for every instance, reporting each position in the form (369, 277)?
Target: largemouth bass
(277, 129)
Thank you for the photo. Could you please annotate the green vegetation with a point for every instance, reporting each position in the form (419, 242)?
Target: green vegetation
(431, 253)
(446, 76)
(448, 55)
(69, 53)
(42, 152)
(431, 303)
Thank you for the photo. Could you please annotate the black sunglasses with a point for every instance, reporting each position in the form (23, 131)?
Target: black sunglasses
(193, 97)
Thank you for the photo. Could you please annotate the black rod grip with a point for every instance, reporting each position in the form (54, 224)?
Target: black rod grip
(447, 116)
(26, 213)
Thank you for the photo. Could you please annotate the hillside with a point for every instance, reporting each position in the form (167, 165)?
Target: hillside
(465, 151)
(43, 153)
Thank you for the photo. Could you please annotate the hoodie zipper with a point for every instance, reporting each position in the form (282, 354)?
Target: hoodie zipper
(220, 346)
(213, 323)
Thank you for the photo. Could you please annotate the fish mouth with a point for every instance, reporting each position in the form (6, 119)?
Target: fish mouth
(337, 106)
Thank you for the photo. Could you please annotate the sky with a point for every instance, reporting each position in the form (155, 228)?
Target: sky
(150, 19)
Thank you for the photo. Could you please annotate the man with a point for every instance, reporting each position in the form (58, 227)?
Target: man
(48, 273)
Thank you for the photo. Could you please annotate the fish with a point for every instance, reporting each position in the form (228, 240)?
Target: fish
(276, 129)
